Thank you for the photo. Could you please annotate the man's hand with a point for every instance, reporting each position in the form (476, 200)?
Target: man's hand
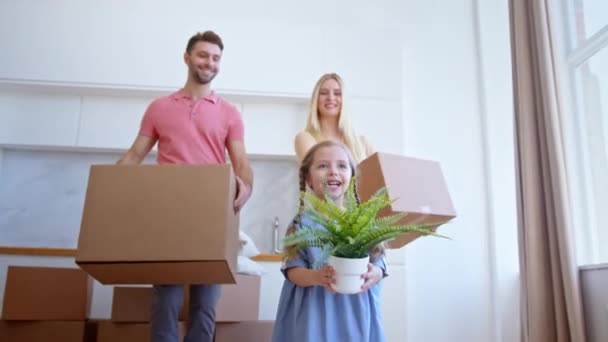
(243, 192)
(242, 171)
(372, 277)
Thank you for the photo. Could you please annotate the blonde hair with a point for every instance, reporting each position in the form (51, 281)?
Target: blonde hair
(348, 134)
(378, 250)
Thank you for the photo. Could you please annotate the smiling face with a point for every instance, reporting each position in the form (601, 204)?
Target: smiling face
(329, 102)
(331, 171)
(203, 61)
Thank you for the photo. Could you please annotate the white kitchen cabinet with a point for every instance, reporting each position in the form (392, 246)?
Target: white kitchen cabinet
(270, 290)
(110, 122)
(38, 119)
(271, 128)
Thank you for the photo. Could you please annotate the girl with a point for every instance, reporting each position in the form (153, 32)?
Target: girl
(328, 120)
(309, 310)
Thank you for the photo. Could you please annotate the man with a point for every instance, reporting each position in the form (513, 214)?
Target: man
(193, 126)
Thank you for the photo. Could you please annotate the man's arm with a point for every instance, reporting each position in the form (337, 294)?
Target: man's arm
(242, 170)
(138, 151)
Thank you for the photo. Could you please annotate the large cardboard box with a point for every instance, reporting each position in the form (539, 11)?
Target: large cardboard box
(238, 302)
(259, 331)
(46, 293)
(417, 185)
(130, 332)
(46, 331)
(159, 224)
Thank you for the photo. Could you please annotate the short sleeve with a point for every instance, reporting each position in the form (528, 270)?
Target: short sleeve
(381, 262)
(148, 122)
(236, 129)
(299, 260)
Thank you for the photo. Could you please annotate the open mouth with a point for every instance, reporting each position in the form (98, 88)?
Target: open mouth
(333, 184)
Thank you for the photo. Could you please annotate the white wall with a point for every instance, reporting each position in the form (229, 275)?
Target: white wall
(497, 102)
(457, 110)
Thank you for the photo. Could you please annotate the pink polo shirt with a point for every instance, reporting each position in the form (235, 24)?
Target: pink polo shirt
(192, 132)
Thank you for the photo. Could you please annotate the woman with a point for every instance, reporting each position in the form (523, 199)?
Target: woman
(328, 120)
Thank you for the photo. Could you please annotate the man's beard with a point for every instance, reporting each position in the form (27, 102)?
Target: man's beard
(198, 77)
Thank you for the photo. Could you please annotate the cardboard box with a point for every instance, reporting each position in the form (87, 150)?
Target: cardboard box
(129, 332)
(241, 301)
(417, 185)
(46, 331)
(238, 302)
(159, 224)
(133, 304)
(46, 293)
(259, 331)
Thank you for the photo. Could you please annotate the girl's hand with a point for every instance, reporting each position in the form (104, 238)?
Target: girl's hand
(325, 277)
(372, 277)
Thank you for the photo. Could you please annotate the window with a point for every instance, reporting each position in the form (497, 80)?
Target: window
(587, 18)
(586, 123)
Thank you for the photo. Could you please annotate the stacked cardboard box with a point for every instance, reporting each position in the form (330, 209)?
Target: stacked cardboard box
(238, 303)
(46, 304)
(238, 313)
(258, 331)
(108, 331)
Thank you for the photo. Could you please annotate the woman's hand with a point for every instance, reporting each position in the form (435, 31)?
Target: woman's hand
(372, 277)
(324, 276)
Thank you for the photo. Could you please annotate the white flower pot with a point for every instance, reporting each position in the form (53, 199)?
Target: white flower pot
(348, 274)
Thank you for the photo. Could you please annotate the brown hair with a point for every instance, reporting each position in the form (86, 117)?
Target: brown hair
(378, 250)
(207, 36)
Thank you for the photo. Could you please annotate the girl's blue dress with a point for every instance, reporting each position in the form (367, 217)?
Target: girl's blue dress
(313, 314)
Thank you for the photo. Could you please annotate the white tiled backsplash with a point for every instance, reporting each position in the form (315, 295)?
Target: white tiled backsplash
(42, 195)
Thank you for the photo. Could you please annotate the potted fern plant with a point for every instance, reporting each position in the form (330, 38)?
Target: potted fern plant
(350, 233)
